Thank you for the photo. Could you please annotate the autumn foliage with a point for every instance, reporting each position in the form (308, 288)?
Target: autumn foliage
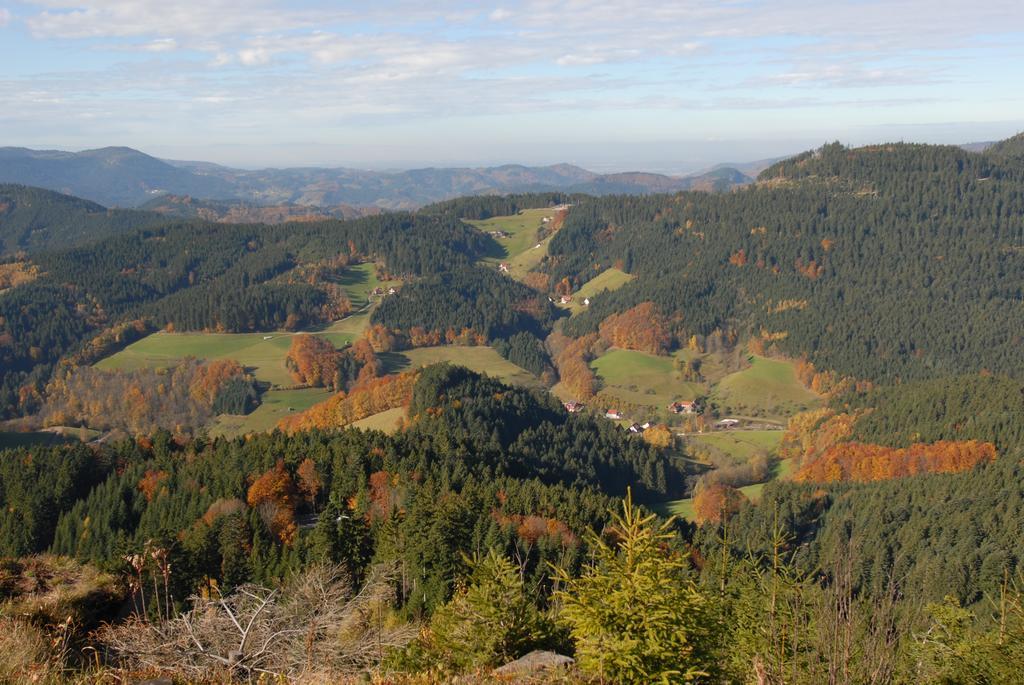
(826, 382)
(372, 397)
(810, 433)
(386, 494)
(572, 357)
(855, 461)
(641, 328)
(150, 483)
(275, 496)
(139, 401)
(313, 361)
(532, 528)
(17, 273)
(717, 502)
(658, 436)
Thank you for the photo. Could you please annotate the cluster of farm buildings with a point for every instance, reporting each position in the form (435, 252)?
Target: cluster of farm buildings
(678, 407)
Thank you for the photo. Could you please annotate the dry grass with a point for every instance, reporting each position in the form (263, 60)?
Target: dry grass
(46, 590)
(26, 654)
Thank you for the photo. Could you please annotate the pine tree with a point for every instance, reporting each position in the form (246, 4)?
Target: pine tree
(634, 615)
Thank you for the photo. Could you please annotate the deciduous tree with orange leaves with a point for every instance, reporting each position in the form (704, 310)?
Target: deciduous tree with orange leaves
(372, 397)
(717, 502)
(856, 461)
(641, 328)
(572, 359)
(274, 495)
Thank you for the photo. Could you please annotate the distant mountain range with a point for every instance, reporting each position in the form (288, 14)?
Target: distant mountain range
(120, 176)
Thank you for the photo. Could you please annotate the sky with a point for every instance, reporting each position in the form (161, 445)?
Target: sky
(668, 86)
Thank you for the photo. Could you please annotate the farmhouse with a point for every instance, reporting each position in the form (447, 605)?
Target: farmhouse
(499, 234)
(503, 267)
(565, 299)
(573, 406)
(613, 414)
(682, 407)
(586, 301)
(728, 423)
(636, 428)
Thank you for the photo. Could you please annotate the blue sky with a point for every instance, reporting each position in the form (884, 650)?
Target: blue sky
(667, 86)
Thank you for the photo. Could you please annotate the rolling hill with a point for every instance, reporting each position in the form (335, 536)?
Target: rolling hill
(119, 176)
(245, 212)
(110, 176)
(33, 219)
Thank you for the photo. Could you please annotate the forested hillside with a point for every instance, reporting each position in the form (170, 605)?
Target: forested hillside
(880, 263)
(197, 276)
(470, 469)
(247, 212)
(32, 219)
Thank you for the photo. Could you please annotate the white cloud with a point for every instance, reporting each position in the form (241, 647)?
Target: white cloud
(579, 60)
(252, 57)
(161, 45)
(327, 67)
(185, 18)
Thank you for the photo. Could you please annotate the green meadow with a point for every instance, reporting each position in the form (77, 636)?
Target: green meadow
(520, 249)
(479, 359)
(276, 405)
(740, 445)
(263, 353)
(608, 280)
(522, 230)
(683, 508)
(641, 378)
(768, 388)
(359, 281)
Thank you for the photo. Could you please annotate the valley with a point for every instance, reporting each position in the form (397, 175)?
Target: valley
(735, 372)
(440, 344)
(638, 386)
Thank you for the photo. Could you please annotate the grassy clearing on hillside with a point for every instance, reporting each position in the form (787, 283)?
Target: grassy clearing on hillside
(346, 330)
(683, 508)
(359, 281)
(521, 228)
(740, 445)
(769, 388)
(609, 279)
(262, 352)
(386, 421)
(479, 359)
(520, 249)
(276, 405)
(643, 379)
(525, 262)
